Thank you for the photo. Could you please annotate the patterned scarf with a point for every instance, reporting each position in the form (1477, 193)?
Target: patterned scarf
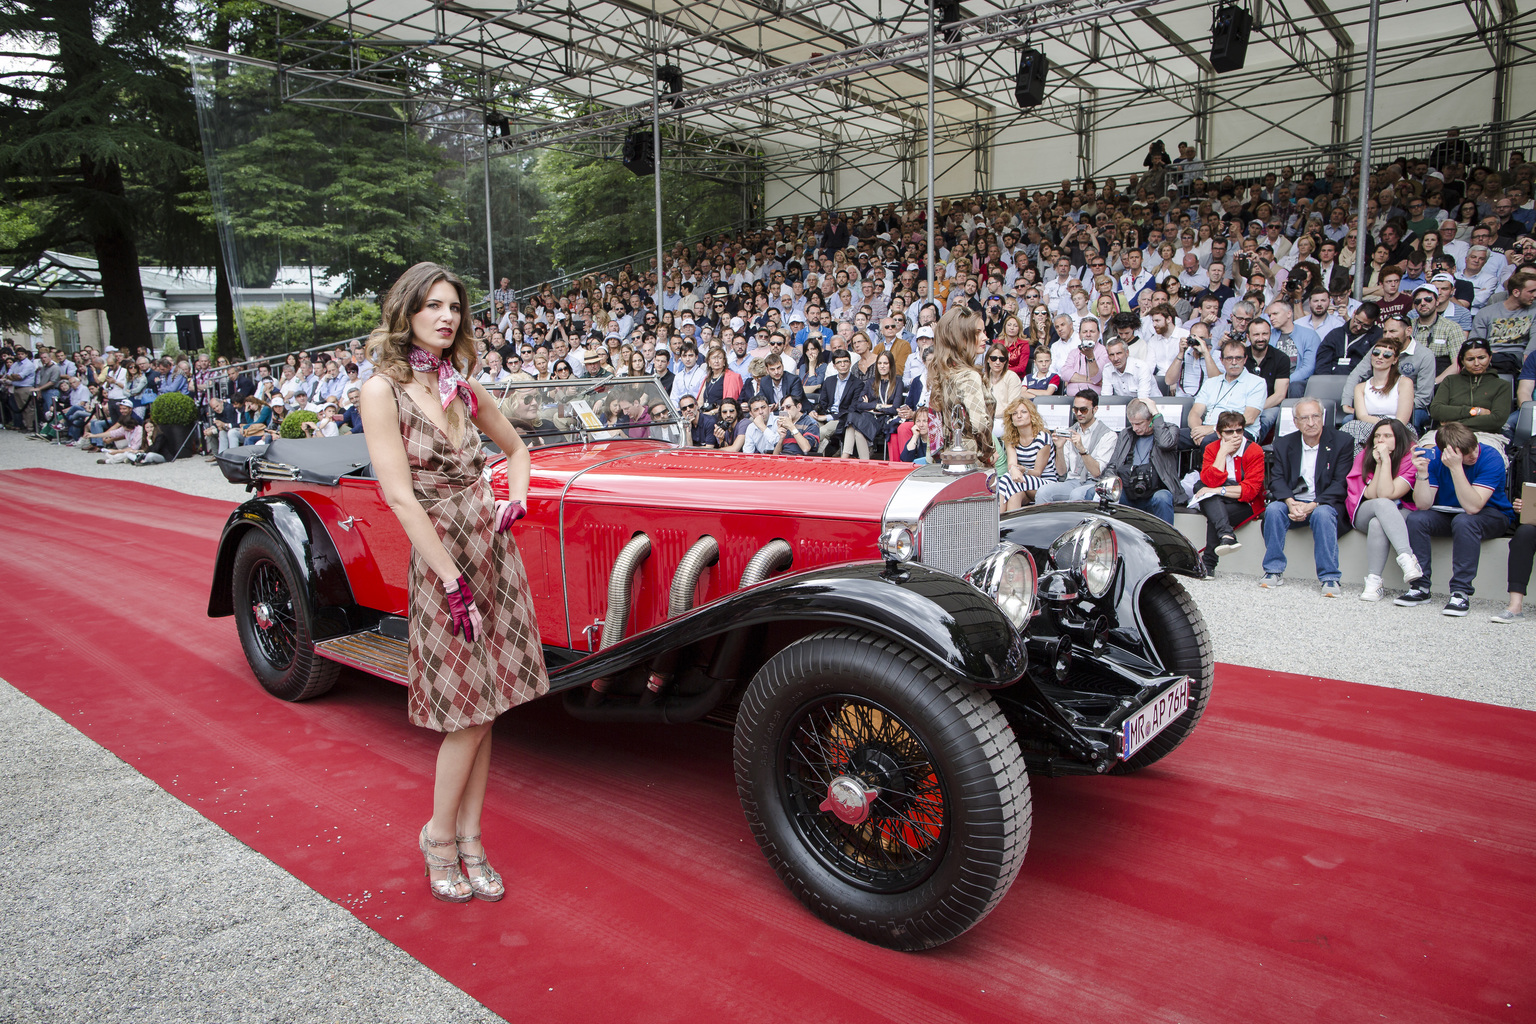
(449, 382)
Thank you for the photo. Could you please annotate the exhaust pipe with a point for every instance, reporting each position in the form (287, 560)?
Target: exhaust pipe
(704, 553)
(773, 557)
(685, 584)
(620, 582)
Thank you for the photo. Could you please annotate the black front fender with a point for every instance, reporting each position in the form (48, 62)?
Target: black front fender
(294, 525)
(1147, 546)
(943, 619)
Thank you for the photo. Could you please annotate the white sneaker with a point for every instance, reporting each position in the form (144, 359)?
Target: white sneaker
(1410, 566)
(1372, 591)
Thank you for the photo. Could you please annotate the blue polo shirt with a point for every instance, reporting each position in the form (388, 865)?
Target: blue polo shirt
(1488, 471)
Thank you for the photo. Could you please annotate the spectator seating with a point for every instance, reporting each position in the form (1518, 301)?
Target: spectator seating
(1287, 424)
(1329, 387)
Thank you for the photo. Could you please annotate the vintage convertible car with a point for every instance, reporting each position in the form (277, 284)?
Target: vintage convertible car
(892, 658)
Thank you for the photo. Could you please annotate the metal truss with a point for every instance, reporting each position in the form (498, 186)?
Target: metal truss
(827, 90)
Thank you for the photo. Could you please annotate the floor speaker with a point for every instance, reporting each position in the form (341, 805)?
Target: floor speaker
(1229, 37)
(640, 152)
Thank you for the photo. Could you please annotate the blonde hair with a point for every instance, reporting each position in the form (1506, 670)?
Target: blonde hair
(1011, 431)
(389, 346)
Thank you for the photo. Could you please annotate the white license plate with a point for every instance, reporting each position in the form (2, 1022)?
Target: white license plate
(1138, 730)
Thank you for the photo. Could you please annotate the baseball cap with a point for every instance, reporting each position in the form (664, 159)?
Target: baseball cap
(924, 332)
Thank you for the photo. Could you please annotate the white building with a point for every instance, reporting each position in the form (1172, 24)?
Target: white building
(74, 281)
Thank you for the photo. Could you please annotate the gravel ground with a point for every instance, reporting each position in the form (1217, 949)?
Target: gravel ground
(1296, 629)
(76, 823)
(110, 917)
(189, 476)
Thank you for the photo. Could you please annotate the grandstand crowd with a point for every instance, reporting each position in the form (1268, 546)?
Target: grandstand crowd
(1206, 319)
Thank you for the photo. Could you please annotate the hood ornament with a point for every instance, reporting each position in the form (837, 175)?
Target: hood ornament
(957, 459)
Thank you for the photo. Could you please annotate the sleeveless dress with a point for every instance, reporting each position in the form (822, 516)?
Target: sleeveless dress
(1376, 404)
(454, 683)
(1026, 455)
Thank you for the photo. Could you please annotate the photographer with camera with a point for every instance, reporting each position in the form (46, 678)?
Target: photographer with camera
(1083, 367)
(1146, 459)
(1195, 364)
(1081, 453)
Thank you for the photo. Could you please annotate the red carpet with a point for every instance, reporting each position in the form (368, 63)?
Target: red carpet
(1318, 851)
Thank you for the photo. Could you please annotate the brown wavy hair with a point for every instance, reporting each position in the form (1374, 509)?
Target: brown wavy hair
(389, 346)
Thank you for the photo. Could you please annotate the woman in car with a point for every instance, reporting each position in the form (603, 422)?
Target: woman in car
(474, 641)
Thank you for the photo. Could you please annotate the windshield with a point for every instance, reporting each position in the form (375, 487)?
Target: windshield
(583, 409)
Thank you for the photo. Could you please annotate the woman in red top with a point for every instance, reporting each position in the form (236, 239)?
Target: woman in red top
(1013, 338)
(1231, 487)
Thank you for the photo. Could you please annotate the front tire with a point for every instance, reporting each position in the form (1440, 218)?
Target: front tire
(1183, 641)
(939, 772)
(275, 621)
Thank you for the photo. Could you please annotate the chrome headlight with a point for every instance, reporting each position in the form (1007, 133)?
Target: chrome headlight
(1007, 575)
(1110, 487)
(898, 543)
(1092, 551)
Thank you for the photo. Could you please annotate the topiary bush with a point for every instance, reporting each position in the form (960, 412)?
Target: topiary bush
(293, 424)
(173, 410)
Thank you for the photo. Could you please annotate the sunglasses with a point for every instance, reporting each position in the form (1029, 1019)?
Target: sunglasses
(1082, 408)
(997, 359)
(1231, 431)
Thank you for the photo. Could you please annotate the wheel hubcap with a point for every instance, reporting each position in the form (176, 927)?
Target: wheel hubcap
(273, 615)
(864, 793)
(849, 798)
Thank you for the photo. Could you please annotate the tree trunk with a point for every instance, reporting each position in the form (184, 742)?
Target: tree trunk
(117, 257)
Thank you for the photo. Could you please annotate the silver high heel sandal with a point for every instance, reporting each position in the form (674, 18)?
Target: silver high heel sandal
(445, 889)
(487, 884)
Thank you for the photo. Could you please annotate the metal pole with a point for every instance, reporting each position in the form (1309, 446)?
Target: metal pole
(661, 285)
(932, 227)
(490, 259)
(1367, 115)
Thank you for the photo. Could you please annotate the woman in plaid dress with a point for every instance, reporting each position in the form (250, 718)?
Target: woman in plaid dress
(474, 642)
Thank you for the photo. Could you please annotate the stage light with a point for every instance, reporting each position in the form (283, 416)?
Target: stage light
(671, 76)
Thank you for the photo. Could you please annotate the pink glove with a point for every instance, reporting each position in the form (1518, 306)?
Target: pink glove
(507, 513)
(461, 605)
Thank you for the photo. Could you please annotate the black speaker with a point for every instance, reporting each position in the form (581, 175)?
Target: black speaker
(189, 332)
(1229, 37)
(640, 153)
(1029, 89)
(949, 13)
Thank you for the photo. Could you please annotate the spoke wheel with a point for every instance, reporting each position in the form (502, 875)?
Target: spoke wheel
(891, 800)
(275, 620)
(901, 838)
(272, 610)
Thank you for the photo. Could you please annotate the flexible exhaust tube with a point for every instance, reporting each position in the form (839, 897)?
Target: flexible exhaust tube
(704, 553)
(775, 556)
(620, 582)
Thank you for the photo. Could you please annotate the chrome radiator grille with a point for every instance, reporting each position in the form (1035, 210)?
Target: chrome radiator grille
(956, 534)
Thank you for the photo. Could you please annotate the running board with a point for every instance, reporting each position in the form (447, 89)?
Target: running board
(369, 652)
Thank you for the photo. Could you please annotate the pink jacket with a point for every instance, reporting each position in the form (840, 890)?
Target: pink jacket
(1354, 484)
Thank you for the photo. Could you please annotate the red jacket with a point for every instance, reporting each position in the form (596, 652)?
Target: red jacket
(1249, 469)
(1018, 354)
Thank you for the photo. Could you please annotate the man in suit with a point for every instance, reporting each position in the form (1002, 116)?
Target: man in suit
(1344, 347)
(773, 385)
(1308, 490)
(835, 399)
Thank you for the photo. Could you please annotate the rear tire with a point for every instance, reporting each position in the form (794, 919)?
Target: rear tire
(275, 621)
(1183, 641)
(947, 832)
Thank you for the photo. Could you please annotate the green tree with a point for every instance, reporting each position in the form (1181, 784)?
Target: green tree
(598, 211)
(349, 318)
(287, 327)
(521, 253)
(101, 113)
